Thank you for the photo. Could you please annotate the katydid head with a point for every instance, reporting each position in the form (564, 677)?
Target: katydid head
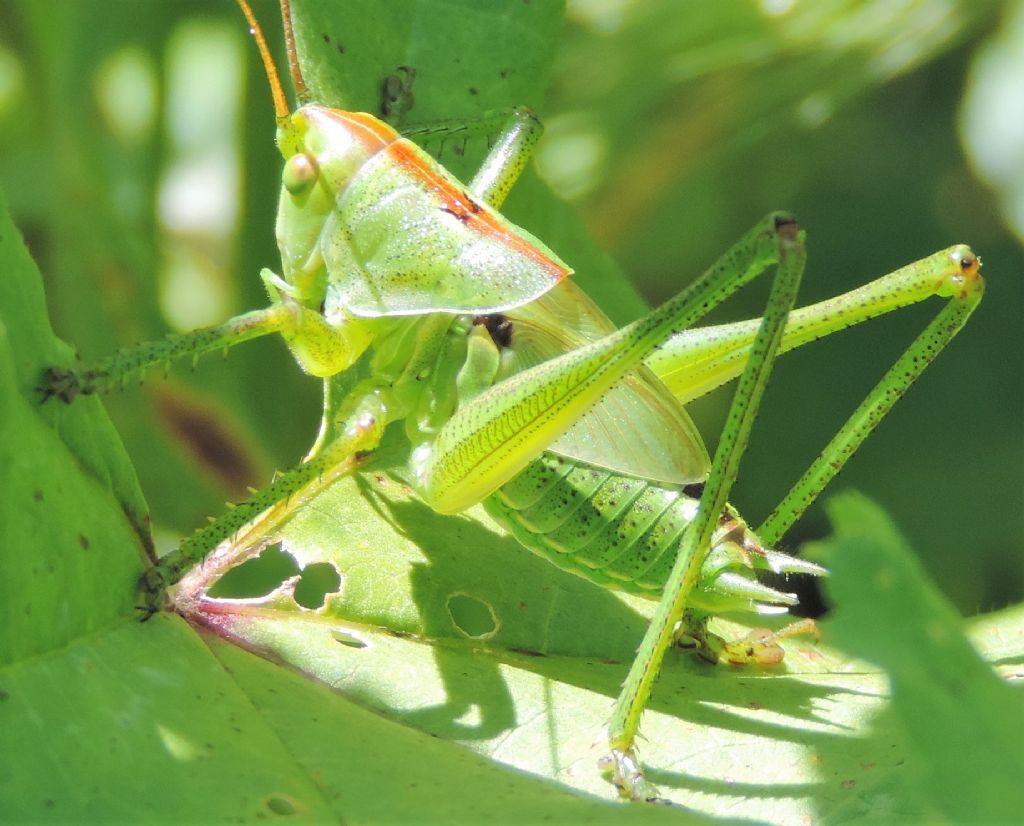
(322, 149)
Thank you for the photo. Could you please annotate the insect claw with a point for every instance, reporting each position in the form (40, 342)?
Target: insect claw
(622, 767)
(780, 563)
(64, 384)
(737, 586)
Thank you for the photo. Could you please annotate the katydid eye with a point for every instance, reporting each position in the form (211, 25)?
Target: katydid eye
(300, 173)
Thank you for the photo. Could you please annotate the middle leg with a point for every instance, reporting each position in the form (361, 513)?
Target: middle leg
(623, 765)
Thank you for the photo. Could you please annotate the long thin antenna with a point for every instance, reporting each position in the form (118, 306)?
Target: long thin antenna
(280, 101)
(301, 91)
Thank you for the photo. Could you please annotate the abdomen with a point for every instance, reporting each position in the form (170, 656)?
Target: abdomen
(618, 531)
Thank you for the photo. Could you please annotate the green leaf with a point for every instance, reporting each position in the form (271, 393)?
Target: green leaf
(945, 697)
(74, 522)
(152, 722)
(448, 626)
(102, 718)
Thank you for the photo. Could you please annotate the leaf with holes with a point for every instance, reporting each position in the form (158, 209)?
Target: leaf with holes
(522, 667)
(446, 625)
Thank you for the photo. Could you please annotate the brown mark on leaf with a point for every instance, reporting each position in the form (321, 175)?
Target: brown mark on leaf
(526, 652)
(208, 435)
(396, 95)
(142, 526)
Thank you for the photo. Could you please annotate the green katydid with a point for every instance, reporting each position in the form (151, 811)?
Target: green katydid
(462, 328)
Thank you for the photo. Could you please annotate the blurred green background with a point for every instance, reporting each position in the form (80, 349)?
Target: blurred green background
(136, 152)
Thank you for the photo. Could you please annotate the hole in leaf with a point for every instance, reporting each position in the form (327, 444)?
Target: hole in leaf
(348, 639)
(472, 616)
(280, 805)
(318, 580)
(256, 577)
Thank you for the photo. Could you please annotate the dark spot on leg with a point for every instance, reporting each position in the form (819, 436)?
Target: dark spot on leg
(787, 226)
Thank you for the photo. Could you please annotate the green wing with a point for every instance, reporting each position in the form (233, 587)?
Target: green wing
(638, 428)
(406, 238)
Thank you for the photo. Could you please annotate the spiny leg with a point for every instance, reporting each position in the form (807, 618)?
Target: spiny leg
(494, 435)
(508, 157)
(116, 369)
(518, 131)
(962, 283)
(698, 360)
(623, 765)
(259, 516)
(952, 273)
